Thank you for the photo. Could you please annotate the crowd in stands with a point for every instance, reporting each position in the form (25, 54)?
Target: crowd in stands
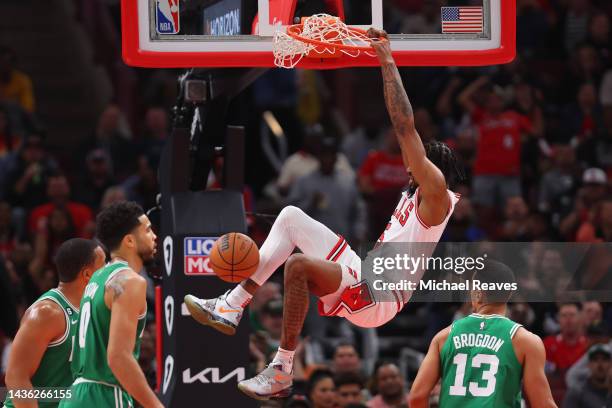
(534, 138)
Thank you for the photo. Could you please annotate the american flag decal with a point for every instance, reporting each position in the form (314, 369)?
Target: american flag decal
(462, 20)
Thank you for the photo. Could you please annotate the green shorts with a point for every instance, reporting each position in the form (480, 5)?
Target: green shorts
(90, 393)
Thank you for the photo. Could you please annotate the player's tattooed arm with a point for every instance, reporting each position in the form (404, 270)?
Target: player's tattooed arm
(117, 284)
(435, 201)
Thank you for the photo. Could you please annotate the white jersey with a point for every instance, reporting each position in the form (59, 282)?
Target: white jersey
(407, 226)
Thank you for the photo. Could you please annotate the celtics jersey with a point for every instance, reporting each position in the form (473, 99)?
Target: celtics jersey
(90, 357)
(54, 367)
(478, 363)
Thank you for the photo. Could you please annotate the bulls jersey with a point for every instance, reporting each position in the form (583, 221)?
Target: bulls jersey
(407, 226)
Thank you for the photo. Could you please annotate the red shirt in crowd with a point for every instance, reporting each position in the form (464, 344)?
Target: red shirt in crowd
(499, 145)
(562, 354)
(80, 213)
(385, 170)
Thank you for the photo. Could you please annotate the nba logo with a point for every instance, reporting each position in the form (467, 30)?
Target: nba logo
(196, 251)
(168, 16)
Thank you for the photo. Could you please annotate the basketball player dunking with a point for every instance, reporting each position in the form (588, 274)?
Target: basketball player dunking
(328, 267)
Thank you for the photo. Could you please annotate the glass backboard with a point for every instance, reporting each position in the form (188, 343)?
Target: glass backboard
(238, 33)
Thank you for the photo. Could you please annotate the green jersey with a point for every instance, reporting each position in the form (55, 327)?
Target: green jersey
(54, 367)
(478, 363)
(90, 357)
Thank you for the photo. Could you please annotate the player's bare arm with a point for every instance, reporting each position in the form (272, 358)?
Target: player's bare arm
(532, 355)
(42, 324)
(429, 372)
(435, 201)
(125, 295)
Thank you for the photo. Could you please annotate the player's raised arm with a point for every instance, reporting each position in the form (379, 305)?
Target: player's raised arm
(125, 289)
(535, 383)
(43, 323)
(432, 183)
(429, 373)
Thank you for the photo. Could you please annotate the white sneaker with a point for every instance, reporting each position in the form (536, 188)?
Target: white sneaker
(216, 313)
(272, 382)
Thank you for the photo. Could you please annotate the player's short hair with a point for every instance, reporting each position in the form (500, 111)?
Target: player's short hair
(116, 221)
(443, 157)
(347, 378)
(496, 272)
(74, 255)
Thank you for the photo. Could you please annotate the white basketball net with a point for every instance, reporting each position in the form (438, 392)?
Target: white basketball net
(288, 51)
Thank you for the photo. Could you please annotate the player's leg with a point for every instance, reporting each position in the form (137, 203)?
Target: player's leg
(292, 228)
(303, 275)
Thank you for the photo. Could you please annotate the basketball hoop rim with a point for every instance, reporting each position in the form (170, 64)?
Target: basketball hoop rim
(295, 30)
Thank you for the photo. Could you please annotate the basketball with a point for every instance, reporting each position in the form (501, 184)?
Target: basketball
(234, 257)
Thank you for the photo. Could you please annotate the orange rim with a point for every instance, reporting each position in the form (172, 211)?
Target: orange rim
(295, 31)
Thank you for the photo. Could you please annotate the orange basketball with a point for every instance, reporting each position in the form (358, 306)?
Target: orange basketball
(234, 257)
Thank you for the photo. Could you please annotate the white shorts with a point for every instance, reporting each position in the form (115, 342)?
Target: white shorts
(353, 299)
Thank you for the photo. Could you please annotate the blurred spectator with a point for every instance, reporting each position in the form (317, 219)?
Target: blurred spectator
(349, 387)
(594, 189)
(15, 86)
(52, 230)
(559, 184)
(445, 108)
(521, 313)
(462, 226)
(305, 161)
(388, 384)
(113, 135)
(297, 401)
(597, 151)
(584, 118)
(98, 177)
(498, 158)
(592, 313)
(27, 179)
(112, 195)
(565, 348)
(515, 224)
(532, 27)
(585, 67)
(9, 141)
(146, 358)
(271, 317)
(58, 192)
(599, 36)
(8, 234)
(575, 23)
(381, 179)
(155, 134)
(142, 186)
(331, 197)
(427, 21)
(346, 359)
(367, 136)
(599, 227)
(321, 389)
(266, 292)
(592, 394)
(578, 375)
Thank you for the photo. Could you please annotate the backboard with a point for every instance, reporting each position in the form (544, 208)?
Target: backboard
(238, 33)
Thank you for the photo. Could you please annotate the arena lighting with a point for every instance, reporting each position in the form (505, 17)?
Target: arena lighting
(273, 124)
